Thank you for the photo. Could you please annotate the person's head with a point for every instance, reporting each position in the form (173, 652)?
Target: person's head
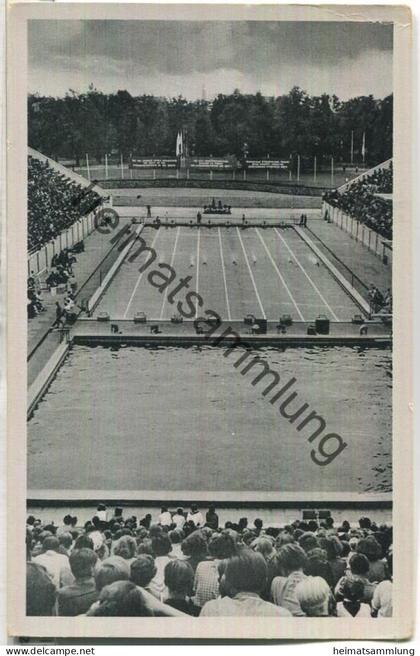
(101, 507)
(180, 511)
(50, 543)
(333, 547)
(364, 522)
(359, 564)
(110, 570)
(143, 570)
(163, 509)
(194, 545)
(31, 520)
(290, 558)
(353, 590)
(243, 523)
(194, 508)
(313, 594)
(40, 591)
(258, 523)
(126, 547)
(245, 572)
(176, 535)
(122, 599)
(370, 547)
(221, 545)
(308, 542)
(161, 545)
(345, 548)
(145, 547)
(264, 546)
(353, 542)
(83, 542)
(312, 526)
(212, 510)
(345, 526)
(65, 540)
(179, 578)
(82, 563)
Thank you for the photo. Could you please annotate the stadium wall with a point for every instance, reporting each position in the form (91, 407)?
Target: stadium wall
(275, 188)
(40, 260)
(360, 232)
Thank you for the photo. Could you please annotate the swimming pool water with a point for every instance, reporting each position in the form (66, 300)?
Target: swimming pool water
(185, 419)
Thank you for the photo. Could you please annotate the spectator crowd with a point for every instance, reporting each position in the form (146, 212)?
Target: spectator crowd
(360, 200)
(55, 202)
(187, 564)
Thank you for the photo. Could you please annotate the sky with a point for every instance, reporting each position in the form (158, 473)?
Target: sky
(198, 59)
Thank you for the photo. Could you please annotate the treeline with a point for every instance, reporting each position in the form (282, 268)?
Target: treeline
(296, 123)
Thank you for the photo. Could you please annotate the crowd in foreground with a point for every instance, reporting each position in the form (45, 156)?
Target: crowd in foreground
(186, 564)
(55, 202)
(360, 200)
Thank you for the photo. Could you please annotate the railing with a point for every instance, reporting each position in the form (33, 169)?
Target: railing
(40, 260)
(379, 245)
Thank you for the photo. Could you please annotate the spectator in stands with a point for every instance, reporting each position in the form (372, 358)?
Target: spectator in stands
(212, 518)
(77, 598)
(352, 604)
(179, 518)
(382, 597)
(110, 570)
(313, 595)
(165, 517)
(179, 577)
(56, 564)
(195, 516)
(194, 547)
(126, 548)
(334, 550)
(120, 599)
(243, 580)
(291, 562)
(359, 569)
(40, 591)
(176, 536)
(206, 582)
(371, 548)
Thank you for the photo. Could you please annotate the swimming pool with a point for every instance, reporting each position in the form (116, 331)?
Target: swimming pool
(162, 419)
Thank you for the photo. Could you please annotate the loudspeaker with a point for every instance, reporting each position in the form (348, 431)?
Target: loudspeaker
(103, 316)
(140, 317)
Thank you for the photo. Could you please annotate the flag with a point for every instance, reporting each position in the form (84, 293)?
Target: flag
(179, 144)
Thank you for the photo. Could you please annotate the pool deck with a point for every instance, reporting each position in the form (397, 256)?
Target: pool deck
(118, 331)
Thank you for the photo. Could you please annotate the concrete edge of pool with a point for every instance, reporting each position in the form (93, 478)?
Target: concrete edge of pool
(222, 498)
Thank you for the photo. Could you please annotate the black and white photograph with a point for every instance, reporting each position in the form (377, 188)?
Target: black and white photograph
(210, 229)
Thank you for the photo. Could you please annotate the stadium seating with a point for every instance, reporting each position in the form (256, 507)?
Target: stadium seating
(54, 202)
(362, 201)
(177, 560)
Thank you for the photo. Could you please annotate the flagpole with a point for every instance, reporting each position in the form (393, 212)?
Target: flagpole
(332, 171)
(351, 148)
(364, 147)
(298, 168)
(106, 166)
(315, 168)
(87, 166)
(122, 167)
